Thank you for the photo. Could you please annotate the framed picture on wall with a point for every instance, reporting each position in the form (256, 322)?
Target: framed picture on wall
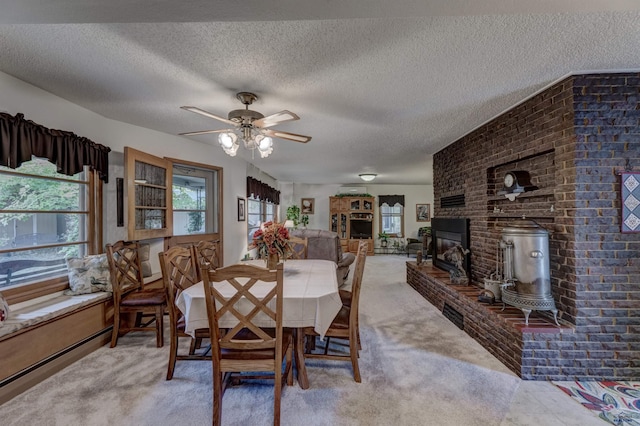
(423, 213)
(307, 205)
(242, 216)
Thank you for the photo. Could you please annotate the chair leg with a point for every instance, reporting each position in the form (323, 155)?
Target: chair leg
(277, 393)
(217, 397)
(116, 328)
(353, 351)
(193, 346)
(288, 365)
(159, 327)
(173, 352)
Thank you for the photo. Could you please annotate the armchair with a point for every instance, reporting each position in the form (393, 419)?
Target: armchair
(423, 242)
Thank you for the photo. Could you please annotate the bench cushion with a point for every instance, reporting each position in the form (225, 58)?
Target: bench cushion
(44, 308)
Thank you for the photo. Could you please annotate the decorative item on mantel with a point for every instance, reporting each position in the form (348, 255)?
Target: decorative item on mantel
(272, 242)
(527, 274)
(456, 255)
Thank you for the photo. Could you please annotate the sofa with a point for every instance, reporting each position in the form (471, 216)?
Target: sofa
(323, 244)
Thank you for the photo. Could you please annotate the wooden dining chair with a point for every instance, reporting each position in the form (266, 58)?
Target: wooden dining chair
(207, 253)
(130, 297)
(299, 247)
(346, 295)
(179, 272)
(345, 324)
(247, 347)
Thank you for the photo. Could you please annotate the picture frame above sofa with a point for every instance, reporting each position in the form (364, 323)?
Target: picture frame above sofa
(423, 213)
(307, 205)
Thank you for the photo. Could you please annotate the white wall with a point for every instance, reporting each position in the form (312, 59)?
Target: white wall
(54, 112)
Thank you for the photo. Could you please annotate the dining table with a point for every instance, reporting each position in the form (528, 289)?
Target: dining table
(310, 299)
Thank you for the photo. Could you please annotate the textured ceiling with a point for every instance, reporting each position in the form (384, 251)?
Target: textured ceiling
(379, 88)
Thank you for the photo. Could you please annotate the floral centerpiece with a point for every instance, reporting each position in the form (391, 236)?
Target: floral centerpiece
(272, 241)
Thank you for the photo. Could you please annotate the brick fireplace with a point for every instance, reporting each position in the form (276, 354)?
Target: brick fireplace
(573, 138)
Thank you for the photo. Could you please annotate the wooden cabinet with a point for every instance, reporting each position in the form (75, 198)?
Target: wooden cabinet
(148, 195)
(352, 246)
(352, 219)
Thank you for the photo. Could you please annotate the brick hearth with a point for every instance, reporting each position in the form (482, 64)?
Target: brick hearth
(529, 350)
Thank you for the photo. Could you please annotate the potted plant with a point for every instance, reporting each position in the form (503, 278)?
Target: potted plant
(293, 213)
(384, 238)
(304, 219)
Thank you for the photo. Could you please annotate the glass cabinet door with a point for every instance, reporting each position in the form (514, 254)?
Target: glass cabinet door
(149, 200)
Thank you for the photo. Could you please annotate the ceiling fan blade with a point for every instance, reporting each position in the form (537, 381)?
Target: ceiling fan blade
(286, 135)
(208, 114)
(204, 132)
(277, 118)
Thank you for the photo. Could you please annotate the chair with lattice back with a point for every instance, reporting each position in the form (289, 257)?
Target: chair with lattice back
(130, 297)
(179, 272)
(247, 293)
(207, 253)
(345, 325)
(298, 248)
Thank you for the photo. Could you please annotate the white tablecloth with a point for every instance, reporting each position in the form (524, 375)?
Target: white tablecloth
(310, 298)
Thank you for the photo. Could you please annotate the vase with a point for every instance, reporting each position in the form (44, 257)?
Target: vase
(272, 261)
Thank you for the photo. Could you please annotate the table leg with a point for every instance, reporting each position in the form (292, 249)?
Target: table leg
(303, 380)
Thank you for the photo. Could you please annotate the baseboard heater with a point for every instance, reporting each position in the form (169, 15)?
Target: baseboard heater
(454, 316)
(50, 358)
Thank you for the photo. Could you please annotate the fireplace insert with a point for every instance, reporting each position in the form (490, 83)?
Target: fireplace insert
(446, 233)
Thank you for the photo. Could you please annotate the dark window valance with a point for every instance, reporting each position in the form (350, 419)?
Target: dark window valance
(262, 191)
(391, 200)
(20, 139)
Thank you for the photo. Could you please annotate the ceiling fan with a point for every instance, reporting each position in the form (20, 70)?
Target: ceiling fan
(252, 126)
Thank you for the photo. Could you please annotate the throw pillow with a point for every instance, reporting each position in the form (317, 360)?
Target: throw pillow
(88, 274)
(144, 259)
(4, 309)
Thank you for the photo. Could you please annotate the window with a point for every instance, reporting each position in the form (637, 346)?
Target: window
(258, 212)
(392, 219)
(44, 218)
(195, 200)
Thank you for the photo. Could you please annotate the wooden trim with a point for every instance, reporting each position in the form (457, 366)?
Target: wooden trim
(34, 344)
(220, 215)
(31, 291)
(192, 163)
(28, 175)
(98, 246)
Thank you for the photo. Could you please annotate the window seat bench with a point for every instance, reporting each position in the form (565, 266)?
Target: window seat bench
(46, 334)
(33, 312)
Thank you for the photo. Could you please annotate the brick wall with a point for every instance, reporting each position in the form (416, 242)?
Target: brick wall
(573, 138)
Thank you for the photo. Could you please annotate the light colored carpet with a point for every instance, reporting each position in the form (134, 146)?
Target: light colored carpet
(417, 369)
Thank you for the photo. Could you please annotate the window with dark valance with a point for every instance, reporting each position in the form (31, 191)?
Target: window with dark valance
(391, 200)
(262, 191)
(21, 139)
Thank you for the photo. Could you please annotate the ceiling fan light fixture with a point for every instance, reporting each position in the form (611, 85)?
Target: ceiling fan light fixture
(227, 140)
(265, 143)
(250, 126)
(367, 177)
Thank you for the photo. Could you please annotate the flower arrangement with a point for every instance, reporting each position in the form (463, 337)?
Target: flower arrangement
(272, 238)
